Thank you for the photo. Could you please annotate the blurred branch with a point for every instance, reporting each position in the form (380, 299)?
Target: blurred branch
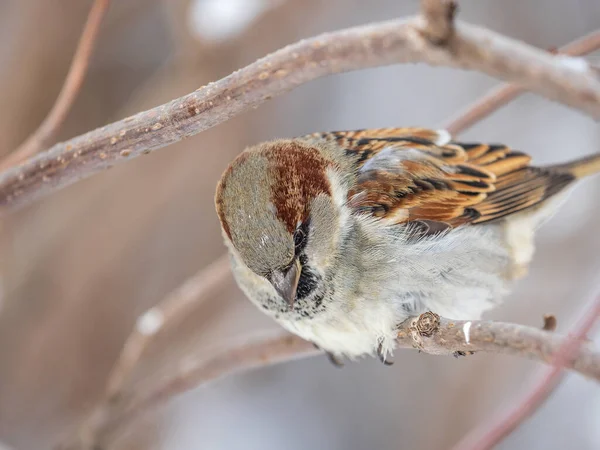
(41, 138)
(438, 16)
(502, 95)
(175, 307)
(488, 436)
(429, 333)
(397, 41)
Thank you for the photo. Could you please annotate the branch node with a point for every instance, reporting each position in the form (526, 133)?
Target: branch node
(427, 324)
(549, 322)
(439, 21)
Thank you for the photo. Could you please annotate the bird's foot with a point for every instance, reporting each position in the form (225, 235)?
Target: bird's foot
(333, 359)
(382, 357)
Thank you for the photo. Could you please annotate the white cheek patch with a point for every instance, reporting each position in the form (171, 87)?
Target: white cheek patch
(330, 217)
(339, 191)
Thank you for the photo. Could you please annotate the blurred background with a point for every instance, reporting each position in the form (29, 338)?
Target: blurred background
(76, 269)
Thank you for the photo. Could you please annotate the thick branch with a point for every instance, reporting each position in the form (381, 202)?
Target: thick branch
(488, 435)
(504, 94)
(399, 41)
(41, 138)
(429, 333)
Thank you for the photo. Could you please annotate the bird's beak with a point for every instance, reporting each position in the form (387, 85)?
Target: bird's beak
(286, 282)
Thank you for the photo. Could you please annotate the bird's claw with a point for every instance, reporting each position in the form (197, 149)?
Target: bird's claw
(337, 362)
(382, 357)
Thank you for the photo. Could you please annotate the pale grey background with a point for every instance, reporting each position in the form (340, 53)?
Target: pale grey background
(79, 267)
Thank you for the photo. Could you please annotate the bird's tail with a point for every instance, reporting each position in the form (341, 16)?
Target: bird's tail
(582, 167)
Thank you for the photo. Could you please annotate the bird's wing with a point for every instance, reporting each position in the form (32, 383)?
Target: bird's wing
(414, 174)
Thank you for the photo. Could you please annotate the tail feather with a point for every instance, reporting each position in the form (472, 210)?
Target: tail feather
(580, 168)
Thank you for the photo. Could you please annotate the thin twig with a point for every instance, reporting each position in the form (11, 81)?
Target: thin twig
(397, 41)
(488, 435)
(501, 95)
(109, 418)
(177, 305)
(428, 332)
(42, 137)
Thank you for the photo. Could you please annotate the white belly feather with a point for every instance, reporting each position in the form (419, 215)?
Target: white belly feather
(459, 275)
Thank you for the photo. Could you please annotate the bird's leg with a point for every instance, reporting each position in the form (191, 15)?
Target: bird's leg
(381, 356)
(337, 362)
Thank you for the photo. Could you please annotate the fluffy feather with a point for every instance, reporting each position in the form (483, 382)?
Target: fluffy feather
(400, 221)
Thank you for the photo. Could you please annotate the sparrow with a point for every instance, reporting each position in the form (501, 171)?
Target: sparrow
(341, 236)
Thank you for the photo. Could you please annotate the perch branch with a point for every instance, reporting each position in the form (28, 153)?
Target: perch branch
(488, 435)
(428, 332)
(397, 41)
(503, 94)
(47, 130)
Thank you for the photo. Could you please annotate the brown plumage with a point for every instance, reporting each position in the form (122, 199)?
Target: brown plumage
(342, 236)
(425, 176)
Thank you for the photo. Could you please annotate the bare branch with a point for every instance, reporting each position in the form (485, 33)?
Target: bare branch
(47, 130)
(176, 306)
(503, 94)
(189, 296)
(439, 20)
(488, 436)
(428, 332)
(398, 41)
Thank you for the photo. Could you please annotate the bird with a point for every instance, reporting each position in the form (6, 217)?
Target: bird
(341, 236)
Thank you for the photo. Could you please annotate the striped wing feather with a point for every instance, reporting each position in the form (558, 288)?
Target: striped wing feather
(416, 174)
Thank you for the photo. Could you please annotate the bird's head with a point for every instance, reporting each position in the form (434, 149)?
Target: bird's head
(281, 206)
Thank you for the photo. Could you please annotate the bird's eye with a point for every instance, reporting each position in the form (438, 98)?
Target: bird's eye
(300, 236)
